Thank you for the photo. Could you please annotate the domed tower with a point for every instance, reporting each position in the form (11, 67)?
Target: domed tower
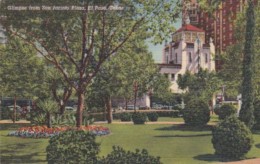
(187, 52)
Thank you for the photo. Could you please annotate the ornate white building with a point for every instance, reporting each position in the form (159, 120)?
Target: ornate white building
(186, 52)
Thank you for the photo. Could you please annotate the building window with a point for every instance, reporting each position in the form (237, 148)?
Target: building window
(167, 60)
(206, 58)
(176, 57)
(190, 57)
(172, 77)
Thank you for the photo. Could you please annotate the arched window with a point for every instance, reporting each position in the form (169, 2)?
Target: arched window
(206, 58)
(176, 58)
(190, 57)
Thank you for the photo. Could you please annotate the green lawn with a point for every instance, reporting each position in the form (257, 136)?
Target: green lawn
(20, 150)
(174, 144)
(213, 119)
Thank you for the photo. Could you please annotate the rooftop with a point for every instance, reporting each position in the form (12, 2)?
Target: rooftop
(189, 27)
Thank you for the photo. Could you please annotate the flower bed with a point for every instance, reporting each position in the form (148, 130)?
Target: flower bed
(45, 132)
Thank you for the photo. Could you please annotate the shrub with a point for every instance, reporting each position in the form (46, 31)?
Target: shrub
(39, 119)
(169, 113)
(5, 113)
(231, 138)
(152, 116)
(125, 116)
(225, 110)
(117, 116)
(196, 113)
(216, 109)
(72, 147)
(97, 116)
(139, 118)
(257, 115)
(18, 116)
(119, 155)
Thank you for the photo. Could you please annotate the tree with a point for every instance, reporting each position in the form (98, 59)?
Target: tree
(231, 72)
(85, 39)
(202, 84)
(247, 109)
(61, 91)
(132, 65)
(49, 107)
(19, 71)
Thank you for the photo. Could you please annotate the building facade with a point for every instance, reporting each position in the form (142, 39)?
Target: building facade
(187, 51)
(219, 25)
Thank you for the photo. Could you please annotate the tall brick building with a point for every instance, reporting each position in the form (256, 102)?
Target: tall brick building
(219, 26)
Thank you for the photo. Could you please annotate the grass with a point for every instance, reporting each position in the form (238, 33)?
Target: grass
(20, 150)
(174, 144)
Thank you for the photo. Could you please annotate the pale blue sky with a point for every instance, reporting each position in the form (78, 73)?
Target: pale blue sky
(157, 51)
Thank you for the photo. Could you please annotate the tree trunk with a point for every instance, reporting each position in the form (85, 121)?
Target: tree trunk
(80, 109)
(48, 120)
(14, 110)
(109, 110)
(126, 103)
(62, 108)
(135, 101)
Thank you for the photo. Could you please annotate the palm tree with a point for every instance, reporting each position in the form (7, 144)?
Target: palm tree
(49, 107)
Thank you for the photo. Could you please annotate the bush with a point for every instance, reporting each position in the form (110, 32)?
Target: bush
(72, 147)
(169, 113)
(231, 138)
(225, 110)
(18, 116)
(125, 117)
(152, 116)
(257, 115)
(119, 155)
(196, 113)
(97, 116)
(139, 118)
(216, 109)
(117, 116)
(5, 113)
(39, 119)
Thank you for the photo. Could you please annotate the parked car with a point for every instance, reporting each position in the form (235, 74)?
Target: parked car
(144, 108)
(69, 108)
(18, 108)
(131, 107)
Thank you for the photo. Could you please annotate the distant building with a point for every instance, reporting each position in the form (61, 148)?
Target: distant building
(219, 25)
(187, 51)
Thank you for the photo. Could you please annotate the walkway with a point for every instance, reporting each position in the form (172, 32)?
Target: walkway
(248, 161)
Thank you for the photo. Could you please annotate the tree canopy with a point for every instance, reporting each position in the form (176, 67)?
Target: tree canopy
(20, 69)
(84, 39)
(201, 85)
